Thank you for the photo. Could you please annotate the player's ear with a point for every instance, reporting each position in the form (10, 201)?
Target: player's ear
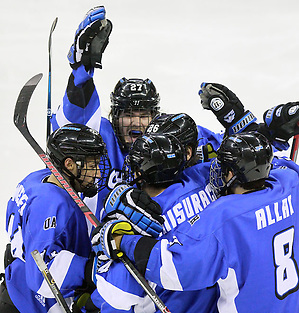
(69, 164)
(229, 174)
(188, 152)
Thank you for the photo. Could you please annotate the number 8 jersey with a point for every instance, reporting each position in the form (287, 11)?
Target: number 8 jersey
(248, 244)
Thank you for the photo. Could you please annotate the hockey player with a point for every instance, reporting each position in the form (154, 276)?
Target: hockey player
(198, 141)
(156, 164)
(245, 242)
(133, 101)
(41, 215)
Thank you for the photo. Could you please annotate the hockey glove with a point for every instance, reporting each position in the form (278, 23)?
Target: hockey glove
(135, 206)
(85, 301)
(89, 275)
(227, 107)
(102, 237)
(93, 24)
(281, 122)
(206, 152)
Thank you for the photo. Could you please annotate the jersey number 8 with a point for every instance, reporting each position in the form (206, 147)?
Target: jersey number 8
(286, 269)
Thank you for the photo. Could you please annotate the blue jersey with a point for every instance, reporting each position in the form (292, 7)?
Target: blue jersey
(43, 216)
(247, 244)
(81, 104)
(180, 202)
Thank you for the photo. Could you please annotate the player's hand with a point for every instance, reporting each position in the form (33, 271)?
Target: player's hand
(226, 106)
(206, 152)
(280, 124)
(84, 300)
(93, 24)
(102, 237)
(135, 206)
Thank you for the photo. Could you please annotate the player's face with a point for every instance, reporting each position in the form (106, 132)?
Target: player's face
(90, 171)
(133, 123)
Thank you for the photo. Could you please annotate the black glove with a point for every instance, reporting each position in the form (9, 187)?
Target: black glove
(135, 206)
(281, 122)
(91, 39)
(206, 152)
(98, 46)
(83, 292)
(227, 107)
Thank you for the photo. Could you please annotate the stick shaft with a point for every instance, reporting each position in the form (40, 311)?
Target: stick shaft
(20, 121)
(50, 281)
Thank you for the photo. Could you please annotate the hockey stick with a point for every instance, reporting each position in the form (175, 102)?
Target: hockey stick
(50, 281)
(20, 121)
(49, 108)
(294, 149)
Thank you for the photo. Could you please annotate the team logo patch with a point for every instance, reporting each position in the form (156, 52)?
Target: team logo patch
(229, 117)
(217, 104)
(50, 222)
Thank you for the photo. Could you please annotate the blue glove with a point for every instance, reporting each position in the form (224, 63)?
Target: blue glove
(93, 25)
(227, 107)
(135, 206)
(102, 237)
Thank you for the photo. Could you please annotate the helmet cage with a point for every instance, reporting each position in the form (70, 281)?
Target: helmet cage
(248, 155)
(131, 96)
(80, 142)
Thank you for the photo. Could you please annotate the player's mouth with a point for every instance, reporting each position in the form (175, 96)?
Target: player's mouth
(135, 133)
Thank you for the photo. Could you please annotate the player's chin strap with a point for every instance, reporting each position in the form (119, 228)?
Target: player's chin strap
(137, 181)
(228, 185)
(87, 191)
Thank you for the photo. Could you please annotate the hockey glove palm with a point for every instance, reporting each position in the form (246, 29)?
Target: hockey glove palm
(206, 152)
(93, 26)
(102, 237)
(85, 301)
(282, 121)
(227, 107)
(135, 206)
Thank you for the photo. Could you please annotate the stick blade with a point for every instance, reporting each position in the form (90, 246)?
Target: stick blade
(23, 101)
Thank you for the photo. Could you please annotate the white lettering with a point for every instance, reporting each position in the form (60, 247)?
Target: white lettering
(274, 213)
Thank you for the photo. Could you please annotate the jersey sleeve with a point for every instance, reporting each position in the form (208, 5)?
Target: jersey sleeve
(81, 103)
(205, 135)
(118, 291)
(55, 232)
(171, 262)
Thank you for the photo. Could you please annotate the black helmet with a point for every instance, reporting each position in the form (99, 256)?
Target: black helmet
(159, 158)
(79, 142)
(135, 93)
(248, 155)
(181, 125)
(129, 95)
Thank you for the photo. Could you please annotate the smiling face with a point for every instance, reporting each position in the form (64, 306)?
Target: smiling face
(132, 124)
